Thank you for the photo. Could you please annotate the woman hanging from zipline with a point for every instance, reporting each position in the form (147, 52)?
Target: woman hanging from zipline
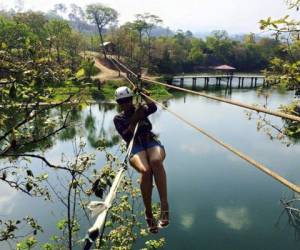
(147, 154)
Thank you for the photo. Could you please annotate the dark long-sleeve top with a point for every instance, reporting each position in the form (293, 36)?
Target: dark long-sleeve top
(122, 122)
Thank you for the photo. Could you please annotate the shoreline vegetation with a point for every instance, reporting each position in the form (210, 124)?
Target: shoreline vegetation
(89, 91)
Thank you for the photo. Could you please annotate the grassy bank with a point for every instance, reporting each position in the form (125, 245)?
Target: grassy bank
(89, 91)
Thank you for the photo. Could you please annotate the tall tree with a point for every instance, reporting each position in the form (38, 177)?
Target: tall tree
(59, 31)
(102, 16)
(36, 21)
(77, 16)
(60, 8)
(145, 23)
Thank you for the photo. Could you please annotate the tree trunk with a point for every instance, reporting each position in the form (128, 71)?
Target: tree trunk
(101, 40)
(149, 51)
(57, 53)
(141, 49)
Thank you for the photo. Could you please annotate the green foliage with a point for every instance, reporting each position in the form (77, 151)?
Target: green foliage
(37, 60)
(155, 244)
(88, 66)
(101, 15)
(158, 91)
(107, 91)
(292, 128)
(47, 246)
(9, 228)
(123, 225)
(27, 243)
(182, 52)
(285, 70)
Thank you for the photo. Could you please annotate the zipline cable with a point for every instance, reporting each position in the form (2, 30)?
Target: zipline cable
(243, 156)
(236, 103)
(115, 63)
(125, 67)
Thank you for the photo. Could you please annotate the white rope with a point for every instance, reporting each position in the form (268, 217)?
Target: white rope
(100, 208)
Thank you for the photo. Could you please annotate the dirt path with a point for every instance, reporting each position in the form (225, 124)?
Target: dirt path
(106, 73)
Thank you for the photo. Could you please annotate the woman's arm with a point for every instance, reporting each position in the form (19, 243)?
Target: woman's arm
(124, 130)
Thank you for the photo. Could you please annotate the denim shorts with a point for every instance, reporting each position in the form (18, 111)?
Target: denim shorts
(140, 147)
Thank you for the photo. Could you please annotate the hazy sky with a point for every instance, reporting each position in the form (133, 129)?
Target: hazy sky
(235, 16)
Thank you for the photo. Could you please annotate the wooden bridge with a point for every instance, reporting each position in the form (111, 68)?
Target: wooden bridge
(230, 81)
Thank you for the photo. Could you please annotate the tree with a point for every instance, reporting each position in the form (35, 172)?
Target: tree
(74, 45)
(249, 38)
(36, 21)
(77, 16)
(286, 70)
(60, 8)
(221, 47)
(59, 31)
(145, 23)
(102, 16)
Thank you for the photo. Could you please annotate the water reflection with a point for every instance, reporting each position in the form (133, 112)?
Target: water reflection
(235, 218)
(196, 148)
(96, 130)
(187, 220)
(7, 196)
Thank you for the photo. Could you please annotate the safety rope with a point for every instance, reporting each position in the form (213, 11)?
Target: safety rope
(116, 62)
(236, 103)
(101, 208)
(125, 67)
(245, 157)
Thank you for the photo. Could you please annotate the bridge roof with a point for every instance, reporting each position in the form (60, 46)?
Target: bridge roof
(224, 67)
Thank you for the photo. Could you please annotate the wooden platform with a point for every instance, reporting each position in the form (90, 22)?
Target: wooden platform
(230, 81)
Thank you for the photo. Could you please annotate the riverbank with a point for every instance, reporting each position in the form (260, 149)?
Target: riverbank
(101, 86)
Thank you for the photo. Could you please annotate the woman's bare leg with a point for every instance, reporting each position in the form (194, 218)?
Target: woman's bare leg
(156, 155)
(140, 162)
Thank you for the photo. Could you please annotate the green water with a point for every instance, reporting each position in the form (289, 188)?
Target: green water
(217, 201)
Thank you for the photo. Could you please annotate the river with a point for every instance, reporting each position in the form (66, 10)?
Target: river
(217, 201)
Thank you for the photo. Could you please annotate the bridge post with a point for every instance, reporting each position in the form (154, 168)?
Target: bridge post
(239, 82)
(181, 82)
(255, 83)
(251, 82)
(194, 82)
(217, 81)
(243, 78)
(206, 81)
(227, 82)
(230, 81)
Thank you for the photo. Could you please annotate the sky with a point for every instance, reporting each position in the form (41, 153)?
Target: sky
(234, 16)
